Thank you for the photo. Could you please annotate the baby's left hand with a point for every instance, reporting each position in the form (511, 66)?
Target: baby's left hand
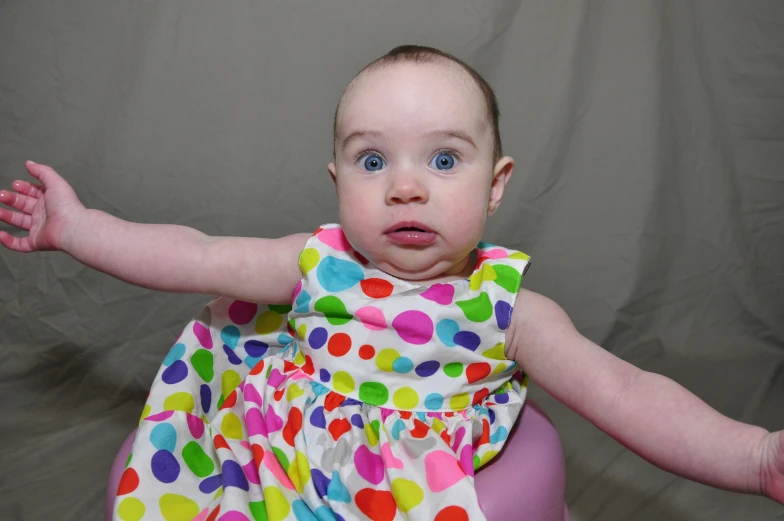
(772, 478)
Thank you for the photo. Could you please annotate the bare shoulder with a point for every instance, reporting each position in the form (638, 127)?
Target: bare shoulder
(534, 318)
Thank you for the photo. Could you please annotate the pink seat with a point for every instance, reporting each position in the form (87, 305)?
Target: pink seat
(526, 482)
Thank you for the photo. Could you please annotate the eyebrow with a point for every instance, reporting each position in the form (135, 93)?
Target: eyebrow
(458, 134)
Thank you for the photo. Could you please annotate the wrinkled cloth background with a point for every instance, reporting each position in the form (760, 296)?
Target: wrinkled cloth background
(649, 190)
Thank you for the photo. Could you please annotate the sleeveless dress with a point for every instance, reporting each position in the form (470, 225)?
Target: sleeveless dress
(370, 397)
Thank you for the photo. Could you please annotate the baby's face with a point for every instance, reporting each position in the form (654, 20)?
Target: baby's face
(414, 168)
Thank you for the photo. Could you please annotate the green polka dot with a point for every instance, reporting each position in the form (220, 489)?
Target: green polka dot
(333, 309)
(405, 398)
(197, 460)
(373, 393)
(386, 358)
(258, 510)
(477, 309)
(175, 507)
(281, 309)
(308, 259)
(459, 402)
(453, 369)
(130, 509)
(508, 277)
(229, 381)
(281, 457)
(202, 362)
(179, 402)
(343, 382)
(221, 399)
(268, 322)
(277, 505)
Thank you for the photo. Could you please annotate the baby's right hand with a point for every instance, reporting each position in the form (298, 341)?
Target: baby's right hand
(49, 211)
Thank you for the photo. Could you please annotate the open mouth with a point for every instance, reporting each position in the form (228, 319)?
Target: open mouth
(410, 233)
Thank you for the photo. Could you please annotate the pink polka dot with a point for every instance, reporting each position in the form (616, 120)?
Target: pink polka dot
(242, 312)
(496, 253)
(255, 423)
(159, 417)
(440, 293)
(196, 426)
(251, 472)
(274, 465)
(335, 238)
(233, 515)
(370, 466)
(250, 394)
(202, 334)
(467, 459)
(414, 327)
(442, 470)
(372, 318)
(296, 291)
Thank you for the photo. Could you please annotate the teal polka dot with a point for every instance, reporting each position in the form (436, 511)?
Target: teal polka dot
(175, 353)
(337, 274)
(284, 339)
(434, 401)
(164, 437)
(230, 335)
(446, 330)
(402, 365)
(302, 302)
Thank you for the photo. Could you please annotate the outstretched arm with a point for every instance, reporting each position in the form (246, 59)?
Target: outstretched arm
(648, 413)
(161, 257)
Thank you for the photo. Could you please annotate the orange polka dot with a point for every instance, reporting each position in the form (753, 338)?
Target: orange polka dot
(376, 288)
(453, 513)
(378, 505)
(339, 344)
(366, 352)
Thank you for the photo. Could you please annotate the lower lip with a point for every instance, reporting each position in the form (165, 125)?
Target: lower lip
(412, 237)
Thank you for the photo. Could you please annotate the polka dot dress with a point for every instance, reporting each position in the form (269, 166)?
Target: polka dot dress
(369, 398)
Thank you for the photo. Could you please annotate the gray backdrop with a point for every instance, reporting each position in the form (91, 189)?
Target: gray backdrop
(649, 138)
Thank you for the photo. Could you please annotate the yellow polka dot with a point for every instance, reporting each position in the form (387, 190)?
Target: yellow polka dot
(386, 358)
(175, 507)
(371, 435)
(486, 457)
(300, 358)
(268, 322)
(405, 398)
(299, 472)
(277, 504)
(459, 402)
(308, 259)
(231, 427)
(294, 391)
(179, 402)
(485, 274)
(229, 381)
(302, 330)
(496, 352)
(145, 413)
(130, 509)
(520, 255)
(438, 425)
(407, 494)
(500, 368)
(343, 382)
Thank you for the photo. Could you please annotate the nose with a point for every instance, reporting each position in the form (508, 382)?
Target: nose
(406, 188)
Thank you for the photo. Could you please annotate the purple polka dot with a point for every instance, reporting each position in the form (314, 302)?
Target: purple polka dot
(491, 414)
(317, 418)
(501, 398)
(503, 314)
(467, 339)
(317, 338)
(233, 476)
(231, 355)
(357, 422)
(255, 348)
(324, 375)
(413, 327)
(206, 397)
(320, 482)
(428, 368)
(242, 312)
(165, 467)
(350, 401)
(210, 484)
(175, 373)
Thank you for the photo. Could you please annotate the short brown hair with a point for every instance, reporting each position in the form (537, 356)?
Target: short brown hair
(421, 54)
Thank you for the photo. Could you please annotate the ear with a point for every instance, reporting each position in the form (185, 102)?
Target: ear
(501, 173)
(332, 170)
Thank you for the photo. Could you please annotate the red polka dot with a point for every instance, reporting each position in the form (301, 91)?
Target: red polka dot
(308, 367)
(220, 442)
(339, 344)
(366, 352)
(338, 428)
(258, 368)
(230, 401)
(453, 513)
(477, 371)
(214, 515)
(333, 401)
(293, 425)
(258, 454)
(480, 395)
(128, 482)
(420, 430)
(376, 288)
(378, 505)
(278, 396)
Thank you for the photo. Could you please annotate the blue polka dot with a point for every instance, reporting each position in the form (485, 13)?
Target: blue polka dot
(402, 365)
(501, 398)
(491, 415)
(251, 361)
(503, 314)
(231, 355)
(211, 484)
(175, 373)
(499, 435)
(164, 466)
(467, 339)
(338, 275)
(302, 302)
(317, 338)
(302, 512)
(230, 335)
(256, 348)
(398, 427)
(428, 368)
(205, 393)
(324, 375)
(284, 340)
(325, 514)
(434, 401)
(446, 330)
(175, 353)
(164, 437)
(356, 421)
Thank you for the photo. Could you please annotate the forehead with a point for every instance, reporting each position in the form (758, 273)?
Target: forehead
(408, 96)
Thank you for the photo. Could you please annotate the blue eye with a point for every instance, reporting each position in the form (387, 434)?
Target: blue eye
(372, 162)
(443, 161)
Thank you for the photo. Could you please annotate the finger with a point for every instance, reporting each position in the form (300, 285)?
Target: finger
(17, 219)
(23, 187)
(43, 173)
(20, 244)
(18, 201)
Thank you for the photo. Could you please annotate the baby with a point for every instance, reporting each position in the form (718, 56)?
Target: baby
(400, 370)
